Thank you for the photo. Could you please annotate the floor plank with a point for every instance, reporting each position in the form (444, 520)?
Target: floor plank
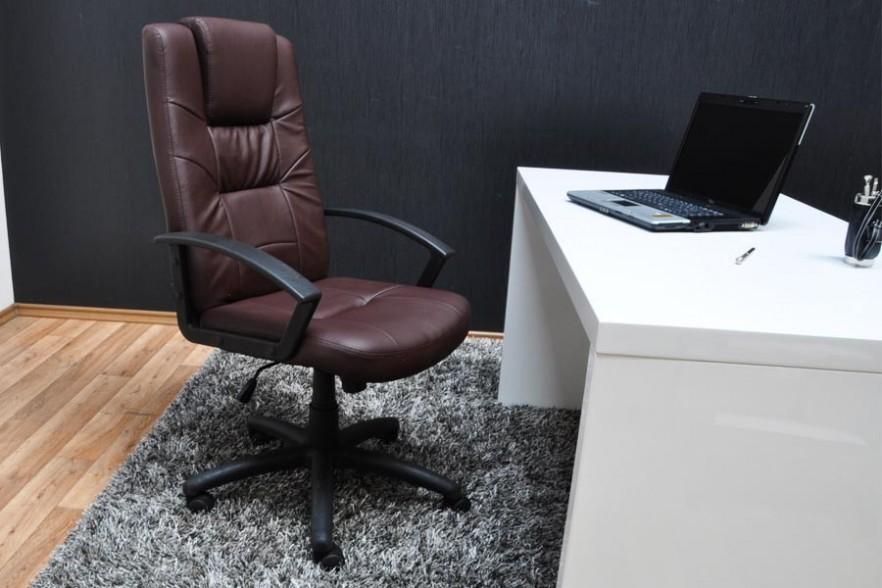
(72, 328)
(11, 327)
(24, 513)
(133, 359)
(81, 495)
(77, 397)
(27, 360)
(198, 356)
(34, 552)
(139, 393)
(26, 337)
(48, 439)
(33, 401)
(168, 391)
(42, 385)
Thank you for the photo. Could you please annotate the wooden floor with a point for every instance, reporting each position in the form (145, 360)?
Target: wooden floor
(76, 396)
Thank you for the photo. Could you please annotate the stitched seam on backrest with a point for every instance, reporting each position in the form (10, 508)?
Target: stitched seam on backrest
(187, 109)
(206, 81)
(290, 206)
(257, 123)
(209, 77)
(279, 177)
(223, 203)
(206, 88)
(289, 113)
(297, 162)
(200, 166)
(171, 160)
(233, 236)
(217, 163)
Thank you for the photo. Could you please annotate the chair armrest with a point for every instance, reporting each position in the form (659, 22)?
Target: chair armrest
(280, 273)
(284, 276)
(439, 251)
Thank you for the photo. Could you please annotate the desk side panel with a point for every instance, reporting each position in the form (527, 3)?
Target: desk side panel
(694, 474)
(545, 349)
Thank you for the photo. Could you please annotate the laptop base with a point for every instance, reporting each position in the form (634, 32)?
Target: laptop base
(652, 219)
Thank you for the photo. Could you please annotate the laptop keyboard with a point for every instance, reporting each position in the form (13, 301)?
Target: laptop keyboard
(667, 203)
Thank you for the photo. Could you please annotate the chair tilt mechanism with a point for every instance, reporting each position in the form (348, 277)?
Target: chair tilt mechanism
(249, 260)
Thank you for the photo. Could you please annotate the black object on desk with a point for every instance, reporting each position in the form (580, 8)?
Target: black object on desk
(864, 237)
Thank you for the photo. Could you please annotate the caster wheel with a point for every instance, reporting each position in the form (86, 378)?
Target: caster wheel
(330, 559)
(201, 502)
(258, 438)
(458, 503)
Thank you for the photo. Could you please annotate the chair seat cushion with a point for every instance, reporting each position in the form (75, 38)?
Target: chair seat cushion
(362, 330)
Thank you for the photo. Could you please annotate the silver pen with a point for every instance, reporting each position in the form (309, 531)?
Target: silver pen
(740, 259)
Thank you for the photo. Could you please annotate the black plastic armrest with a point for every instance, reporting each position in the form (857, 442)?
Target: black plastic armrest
(280, 273)
(439, 251)
(284, 276)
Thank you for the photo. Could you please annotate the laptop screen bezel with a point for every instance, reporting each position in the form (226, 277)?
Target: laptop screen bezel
(762, 208)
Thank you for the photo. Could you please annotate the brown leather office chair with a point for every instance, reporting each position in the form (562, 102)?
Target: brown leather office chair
(250, 258)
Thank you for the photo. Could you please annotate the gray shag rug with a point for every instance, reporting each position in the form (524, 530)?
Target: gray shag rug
(515, 463)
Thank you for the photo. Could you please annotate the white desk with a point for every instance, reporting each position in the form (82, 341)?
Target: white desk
(731, 429)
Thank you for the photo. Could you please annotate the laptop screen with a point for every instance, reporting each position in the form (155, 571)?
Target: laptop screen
(735, 155)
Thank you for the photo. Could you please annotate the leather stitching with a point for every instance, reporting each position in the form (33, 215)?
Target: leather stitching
(290, 206)
(297, 108)
(171, 161)
(208, 51)
(268, 244)
(364, 325)
(339, 318)
(345, 292)
(365, 354)
(284, 194)
(223, 204)
(234, 125)
(238, 265)
(381, 292)
(278, 173)
(251, 189)
(200, 166)
(216, 157)
(432, 301)
(187, 109)
(297, 161)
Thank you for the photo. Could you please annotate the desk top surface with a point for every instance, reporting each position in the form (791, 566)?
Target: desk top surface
(793, 290)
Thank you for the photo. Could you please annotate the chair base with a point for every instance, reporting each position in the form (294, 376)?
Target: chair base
(321, 447)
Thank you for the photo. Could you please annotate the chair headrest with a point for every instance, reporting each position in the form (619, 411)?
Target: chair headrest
(238, 63)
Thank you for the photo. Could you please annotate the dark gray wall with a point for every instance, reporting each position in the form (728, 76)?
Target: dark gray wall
(421, 108)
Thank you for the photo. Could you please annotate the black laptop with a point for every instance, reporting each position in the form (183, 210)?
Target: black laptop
(728, 173)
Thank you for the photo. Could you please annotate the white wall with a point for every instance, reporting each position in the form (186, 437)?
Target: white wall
(5, 265)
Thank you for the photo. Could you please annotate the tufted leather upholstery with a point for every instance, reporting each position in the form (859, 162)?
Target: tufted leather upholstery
(231, 150)
(362, 330)
(237, 180)
(233, 159)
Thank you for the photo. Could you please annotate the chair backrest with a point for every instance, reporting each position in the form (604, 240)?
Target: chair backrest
(231, 150)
